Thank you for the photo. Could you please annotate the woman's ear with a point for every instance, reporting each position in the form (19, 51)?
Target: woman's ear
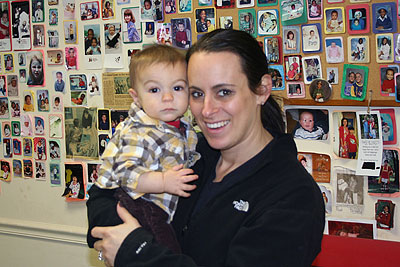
(264, 89)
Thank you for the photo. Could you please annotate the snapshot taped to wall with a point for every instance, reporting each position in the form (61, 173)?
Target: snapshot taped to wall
(308, 124)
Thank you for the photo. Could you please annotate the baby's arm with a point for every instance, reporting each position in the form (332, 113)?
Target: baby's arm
(173, 181)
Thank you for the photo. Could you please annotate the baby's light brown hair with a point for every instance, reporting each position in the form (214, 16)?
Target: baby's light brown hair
(154, 54)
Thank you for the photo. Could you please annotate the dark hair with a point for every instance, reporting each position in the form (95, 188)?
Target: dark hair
(253, 63)
(351, 128)
(290, 32)
(343, 120)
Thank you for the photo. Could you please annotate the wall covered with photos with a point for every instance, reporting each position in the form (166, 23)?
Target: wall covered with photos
(63, 89)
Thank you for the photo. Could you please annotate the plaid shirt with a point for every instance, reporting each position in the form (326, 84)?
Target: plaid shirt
(141, 144)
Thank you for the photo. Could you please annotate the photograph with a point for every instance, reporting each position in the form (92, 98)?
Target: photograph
(131, 26)
(170, 6)
(39, 125)
(74, 182)
(293, 68)
(384, 47)
(54, 149)
(28, 168)
(396, 39)
(334, 51)
(4, 111)
(226, 22)
(112, 38)
(268, 22)
(293, 12)
(272, 50)
(80, 127)
(308, 124)
(370, 127)
(5, 26)
(346, 146)
(104, 119)
(27, 144)
(27, 125)
(53, 38)
(53, 17)
(244, 3)
(354, 82)
(358, 19)
(181, 33)
(185, 6)
(267, 2)
(350, 189)
(92, 39)
(39, 144)
(320, 90)
(277, 74)
(57, 103)
(71, 58)
(107, 7)
(20, 20)
(312, 69)
(70, 32)
(17, 168)
(205, 20)
(334, 20)
(89, 10)
(36, 68)
(332, 75)
(16, 144)
(389, 130)
(388, 180)
(384, 214)
(384, 17)
(43, 102)
(387, 73)
(358, 49)
(291, 39)
(55, 57)
(38, 36)
(314, 9)
(295, 89)
(352, 228)
(311, 34)
(248, 21)
(55, 174)
(40, 170)
(56, 128)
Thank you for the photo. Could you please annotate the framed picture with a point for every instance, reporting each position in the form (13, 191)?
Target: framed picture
(320, 90)
(334, 20)
(332, 75)
(293, 12)
(277, 74)
(358, 18)
(295, 90)
(314, 9)
(244, 3)
(384, 17)
(170, 6)
(268, 22)
(388, 128)
(358, 49)
(354, 82)
(205, 19)
(89, 10)
(272, 49)
(181, 32)
(293, 68)
(311, 34)
(131, 26)
(387, 73)
(308, 124)
(267, 2)
(384, 48)
(396, 39)
(334, 51)
(312, 68)
(248, 21)
(291, 39)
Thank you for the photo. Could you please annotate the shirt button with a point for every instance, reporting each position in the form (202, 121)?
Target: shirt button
(184, 228)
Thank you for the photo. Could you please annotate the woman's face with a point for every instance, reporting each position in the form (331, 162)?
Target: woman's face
(36, 69)
(221, 101)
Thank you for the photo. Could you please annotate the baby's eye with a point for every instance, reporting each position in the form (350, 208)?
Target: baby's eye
(224, 92)
(178, 88)
(196, 94)
(154, 90)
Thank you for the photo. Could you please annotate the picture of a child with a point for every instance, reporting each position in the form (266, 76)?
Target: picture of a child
(334, 24)
(388, 85)
(307, 129)
(181, 36)
(383, 21)
(129, 19)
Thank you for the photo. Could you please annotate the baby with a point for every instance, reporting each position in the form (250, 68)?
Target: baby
(334, 25)
(148, 157)
(308, 130)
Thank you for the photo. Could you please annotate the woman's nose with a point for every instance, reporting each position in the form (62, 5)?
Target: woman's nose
(209, 106)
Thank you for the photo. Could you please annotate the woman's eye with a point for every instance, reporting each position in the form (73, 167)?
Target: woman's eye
(178, 88)
(196, 94)
(154, 90)
(224, 92)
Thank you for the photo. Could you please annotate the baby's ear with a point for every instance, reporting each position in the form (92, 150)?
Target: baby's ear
(134, 95)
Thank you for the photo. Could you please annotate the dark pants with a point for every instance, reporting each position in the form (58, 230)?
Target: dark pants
(151, 217)
(352, 155)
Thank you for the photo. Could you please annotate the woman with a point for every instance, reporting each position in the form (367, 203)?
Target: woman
(247, 207)
(343, 133)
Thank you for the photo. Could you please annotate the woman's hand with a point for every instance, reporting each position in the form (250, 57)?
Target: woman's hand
(113, 236)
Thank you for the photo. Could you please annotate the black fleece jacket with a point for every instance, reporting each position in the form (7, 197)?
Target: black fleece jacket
(271, 215)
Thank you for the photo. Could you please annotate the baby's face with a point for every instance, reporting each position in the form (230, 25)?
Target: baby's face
(180, 27)
(334, 16)
(356, 22)
(111, 30)
(333, 44)
(147, 5)
(307, 121)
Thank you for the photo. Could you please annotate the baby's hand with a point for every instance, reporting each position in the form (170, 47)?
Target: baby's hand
(176, 179)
